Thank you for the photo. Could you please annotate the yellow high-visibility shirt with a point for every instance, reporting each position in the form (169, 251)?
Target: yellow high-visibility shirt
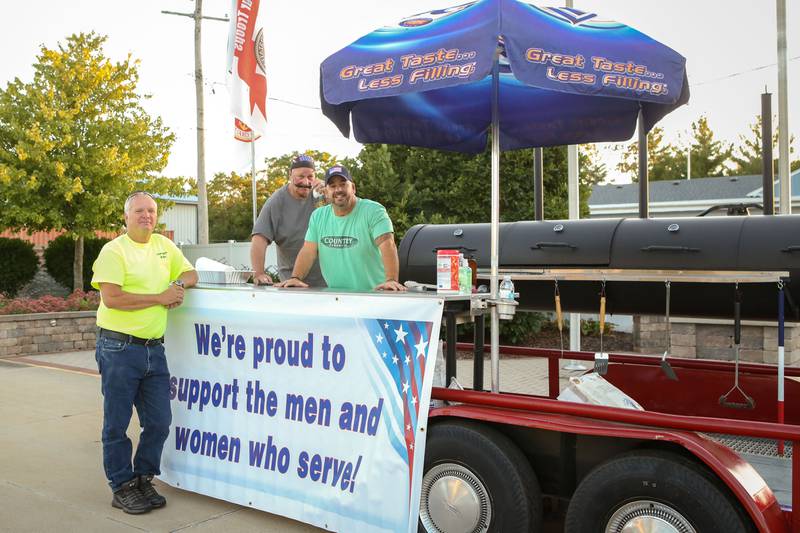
(139, 268)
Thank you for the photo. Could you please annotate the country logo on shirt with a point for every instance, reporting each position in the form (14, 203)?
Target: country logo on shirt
(339, 242)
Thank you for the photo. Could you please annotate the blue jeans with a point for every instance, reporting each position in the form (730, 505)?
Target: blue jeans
(133, 375)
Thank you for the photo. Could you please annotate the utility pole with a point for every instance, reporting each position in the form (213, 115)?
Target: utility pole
(202, 192)
(783, 113)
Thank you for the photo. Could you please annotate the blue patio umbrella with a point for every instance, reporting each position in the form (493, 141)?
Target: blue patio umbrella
(533, 76)
(565, 77)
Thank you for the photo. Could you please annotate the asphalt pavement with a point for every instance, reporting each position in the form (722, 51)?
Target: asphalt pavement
(51, 475)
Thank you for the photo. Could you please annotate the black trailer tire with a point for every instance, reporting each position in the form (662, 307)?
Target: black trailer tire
(490, 470)
(648, 487)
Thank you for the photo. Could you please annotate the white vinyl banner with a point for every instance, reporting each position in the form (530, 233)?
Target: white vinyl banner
(311, 405)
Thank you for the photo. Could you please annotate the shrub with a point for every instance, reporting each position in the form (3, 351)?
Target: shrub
(591, 328)
(18, 265)
(77, 301)
(517, 331)
(59, 255)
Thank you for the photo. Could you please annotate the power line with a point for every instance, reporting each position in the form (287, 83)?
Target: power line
(740, 73)
(698, 84)
(212, 84)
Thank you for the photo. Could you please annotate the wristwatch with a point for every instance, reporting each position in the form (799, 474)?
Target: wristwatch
(178, 282)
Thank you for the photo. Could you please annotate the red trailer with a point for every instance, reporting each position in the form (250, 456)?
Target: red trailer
(687, 463)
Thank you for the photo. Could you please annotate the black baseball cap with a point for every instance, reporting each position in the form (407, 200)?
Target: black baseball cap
(303, 161)
(338, 170)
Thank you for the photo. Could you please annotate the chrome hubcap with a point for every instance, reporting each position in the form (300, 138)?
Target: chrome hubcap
(454, 500)
(646, 516)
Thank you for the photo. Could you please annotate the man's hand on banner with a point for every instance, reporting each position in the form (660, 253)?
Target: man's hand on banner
(262, 279)
(291, 282)
(391, 285)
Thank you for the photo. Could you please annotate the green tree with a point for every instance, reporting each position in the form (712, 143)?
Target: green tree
(664, 160)
(592, 170)
(75, 141)
(420, 185)
(709, 156)
(746, 157)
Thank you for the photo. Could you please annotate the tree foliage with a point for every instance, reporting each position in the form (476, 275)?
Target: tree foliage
(416, 185)
(75, 141)
(664, 161)
(746, 157)
(709, 156)
(420, 185)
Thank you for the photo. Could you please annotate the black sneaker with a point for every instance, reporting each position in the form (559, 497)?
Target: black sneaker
(130, 499)
(149, 492)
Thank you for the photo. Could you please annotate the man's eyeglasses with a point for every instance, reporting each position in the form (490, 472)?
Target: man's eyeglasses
(137, 193)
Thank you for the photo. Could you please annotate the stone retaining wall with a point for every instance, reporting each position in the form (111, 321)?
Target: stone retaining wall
(46, 332)
(713, 339)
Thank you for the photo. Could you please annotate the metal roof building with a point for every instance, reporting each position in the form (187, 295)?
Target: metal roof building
(685, 197)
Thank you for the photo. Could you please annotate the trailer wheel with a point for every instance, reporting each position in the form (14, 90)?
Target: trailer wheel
(476, 480)
(652, 491)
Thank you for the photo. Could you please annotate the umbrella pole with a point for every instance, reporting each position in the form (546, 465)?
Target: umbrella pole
(495, 224)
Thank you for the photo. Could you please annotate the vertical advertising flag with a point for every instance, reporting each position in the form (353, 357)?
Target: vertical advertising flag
(247, 76)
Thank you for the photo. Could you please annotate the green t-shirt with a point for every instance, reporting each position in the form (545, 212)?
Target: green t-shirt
(348, 255)
(139, 268)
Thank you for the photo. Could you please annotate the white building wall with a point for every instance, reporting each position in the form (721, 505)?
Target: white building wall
(181, 219)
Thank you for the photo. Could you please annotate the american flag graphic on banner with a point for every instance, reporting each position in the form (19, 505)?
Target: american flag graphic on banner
(403, 347)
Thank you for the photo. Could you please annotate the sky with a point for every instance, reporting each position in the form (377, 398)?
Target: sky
(730, 46)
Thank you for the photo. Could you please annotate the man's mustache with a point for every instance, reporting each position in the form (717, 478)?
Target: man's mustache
(303, 186)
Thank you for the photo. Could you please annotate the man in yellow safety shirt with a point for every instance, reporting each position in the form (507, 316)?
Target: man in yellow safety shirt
(140, 276)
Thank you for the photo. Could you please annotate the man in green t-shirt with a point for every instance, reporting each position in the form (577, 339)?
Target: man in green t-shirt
(353, 238)
(140, 276)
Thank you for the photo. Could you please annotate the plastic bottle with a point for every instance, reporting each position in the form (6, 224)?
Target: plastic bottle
(473, 268)
(506, 289)
(464, 277)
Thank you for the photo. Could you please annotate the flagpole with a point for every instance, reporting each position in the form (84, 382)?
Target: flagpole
(253, 167)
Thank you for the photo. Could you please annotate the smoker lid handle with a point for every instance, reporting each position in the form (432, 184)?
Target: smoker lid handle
(461, 248)
(540, 245)
(659, 248)
(790, 249)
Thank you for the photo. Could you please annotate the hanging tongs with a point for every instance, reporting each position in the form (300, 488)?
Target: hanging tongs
(665, 366)
(725, 400)
(601, 358)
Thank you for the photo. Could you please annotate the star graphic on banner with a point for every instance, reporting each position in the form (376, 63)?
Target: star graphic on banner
(384, 355)
(385, 325)
(405, 386)
(411, 445)
(408, 360)
(400, 334)
(379, 338)
(408, 427)
(414, 400)
(395, 359)
(421, 347)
